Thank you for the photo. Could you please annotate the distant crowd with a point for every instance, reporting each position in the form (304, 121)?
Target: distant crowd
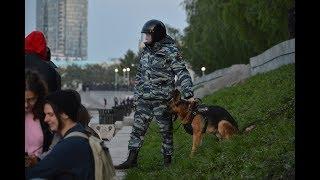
(106, 87)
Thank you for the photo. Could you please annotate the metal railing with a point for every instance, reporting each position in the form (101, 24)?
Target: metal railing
(110, 116)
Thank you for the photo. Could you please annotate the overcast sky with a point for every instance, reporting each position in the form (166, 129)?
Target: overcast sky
(114, 25)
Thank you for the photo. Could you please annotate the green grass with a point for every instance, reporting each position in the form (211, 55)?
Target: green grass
(268, 151)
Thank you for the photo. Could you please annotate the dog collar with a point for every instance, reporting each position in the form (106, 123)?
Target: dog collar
(194, 111)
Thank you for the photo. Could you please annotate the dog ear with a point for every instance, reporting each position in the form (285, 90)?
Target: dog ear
(176, 95)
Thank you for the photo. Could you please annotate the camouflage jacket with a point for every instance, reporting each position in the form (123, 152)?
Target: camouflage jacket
(155, 79)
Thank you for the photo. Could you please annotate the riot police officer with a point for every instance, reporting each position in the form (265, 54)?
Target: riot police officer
(160, 61)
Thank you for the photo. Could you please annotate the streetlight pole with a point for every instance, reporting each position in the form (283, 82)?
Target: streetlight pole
(128, 70)
(203, 69)
(124, 74)
(116, 77)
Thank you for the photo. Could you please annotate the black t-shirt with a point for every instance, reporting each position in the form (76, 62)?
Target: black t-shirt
(45, 70)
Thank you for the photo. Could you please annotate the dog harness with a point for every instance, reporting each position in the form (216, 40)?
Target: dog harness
(197, 109)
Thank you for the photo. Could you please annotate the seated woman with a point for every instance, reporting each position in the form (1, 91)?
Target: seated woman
(37, 134)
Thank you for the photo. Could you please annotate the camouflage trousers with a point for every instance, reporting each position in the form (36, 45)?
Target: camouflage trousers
(145, 112)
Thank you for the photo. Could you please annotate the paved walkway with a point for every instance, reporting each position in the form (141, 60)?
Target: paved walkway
(118, 147)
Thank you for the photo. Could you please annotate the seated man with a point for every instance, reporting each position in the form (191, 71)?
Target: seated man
(71, 156)
(83, 119)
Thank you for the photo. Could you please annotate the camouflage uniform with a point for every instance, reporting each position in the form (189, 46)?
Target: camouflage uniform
(154, 85)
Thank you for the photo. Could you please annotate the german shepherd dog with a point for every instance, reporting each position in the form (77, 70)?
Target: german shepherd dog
(211, 119)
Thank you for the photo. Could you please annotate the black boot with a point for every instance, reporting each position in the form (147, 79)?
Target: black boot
(130, 162)
(167, 160)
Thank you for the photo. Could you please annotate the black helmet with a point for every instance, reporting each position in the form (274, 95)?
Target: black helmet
(156, 29)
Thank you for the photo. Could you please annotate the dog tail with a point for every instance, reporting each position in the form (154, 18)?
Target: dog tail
(248, 128)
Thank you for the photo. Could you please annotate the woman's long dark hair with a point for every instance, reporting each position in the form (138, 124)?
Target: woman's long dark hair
(35, 84)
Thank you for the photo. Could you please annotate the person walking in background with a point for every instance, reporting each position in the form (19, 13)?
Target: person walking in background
(116, 101)
(160, 61)
(105, 102)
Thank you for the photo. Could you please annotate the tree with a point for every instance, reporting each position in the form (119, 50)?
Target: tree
(130, 60)
(175, 34)
(226, 32)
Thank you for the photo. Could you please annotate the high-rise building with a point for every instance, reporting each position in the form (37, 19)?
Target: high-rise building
(64, 23)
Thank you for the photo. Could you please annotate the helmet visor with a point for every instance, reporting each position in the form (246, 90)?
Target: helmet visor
(145, 38)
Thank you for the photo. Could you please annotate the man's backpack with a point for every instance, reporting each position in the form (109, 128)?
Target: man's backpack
(103, 165)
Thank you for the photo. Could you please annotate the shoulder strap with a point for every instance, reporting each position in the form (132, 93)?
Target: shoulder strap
(104, 168)
(76, 134)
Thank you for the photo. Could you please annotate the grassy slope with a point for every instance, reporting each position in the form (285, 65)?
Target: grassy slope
(268, 151)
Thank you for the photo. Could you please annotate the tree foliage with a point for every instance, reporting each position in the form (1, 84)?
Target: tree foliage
(98, 74)
(175, 34)
(130, 60)
(226, 32)
(74, 74)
